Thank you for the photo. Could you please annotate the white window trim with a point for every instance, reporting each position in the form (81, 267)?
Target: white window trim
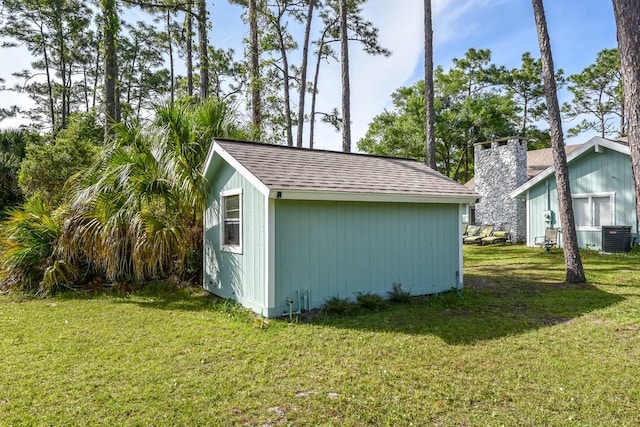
(236, 249)
(612, 198)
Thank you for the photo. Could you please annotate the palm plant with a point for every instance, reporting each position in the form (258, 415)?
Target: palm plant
(137, 213)
(29, 260)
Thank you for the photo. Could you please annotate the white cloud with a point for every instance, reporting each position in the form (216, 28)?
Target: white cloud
(374, 78)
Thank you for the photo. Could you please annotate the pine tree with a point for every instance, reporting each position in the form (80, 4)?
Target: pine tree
(573, 262)
(627, 14)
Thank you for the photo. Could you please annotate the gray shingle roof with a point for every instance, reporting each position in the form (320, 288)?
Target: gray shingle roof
(286, 168)
(537, 161)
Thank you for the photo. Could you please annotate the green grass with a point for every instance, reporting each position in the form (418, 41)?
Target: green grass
(518, 347)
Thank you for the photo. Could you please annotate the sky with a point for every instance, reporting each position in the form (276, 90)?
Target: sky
(579, 29)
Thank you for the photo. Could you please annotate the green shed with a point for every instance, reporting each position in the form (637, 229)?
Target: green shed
(286, 228)
(602, 193)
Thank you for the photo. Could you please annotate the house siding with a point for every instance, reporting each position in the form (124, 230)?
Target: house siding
(232, 275)
(605, 172)
(543, 196)
(326, 249)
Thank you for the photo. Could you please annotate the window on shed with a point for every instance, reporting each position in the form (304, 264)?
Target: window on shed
(593, 210)
(232, 221)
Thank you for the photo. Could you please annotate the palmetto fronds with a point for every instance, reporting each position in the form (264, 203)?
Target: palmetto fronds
(137, 209)
(134, 215)
(27, 242)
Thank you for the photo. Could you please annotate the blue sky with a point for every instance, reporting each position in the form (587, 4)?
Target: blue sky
(579, 29)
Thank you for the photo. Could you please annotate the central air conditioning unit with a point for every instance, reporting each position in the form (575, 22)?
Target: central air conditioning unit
(616, 238)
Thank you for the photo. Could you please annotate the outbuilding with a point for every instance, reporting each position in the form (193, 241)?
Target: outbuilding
(287, 228)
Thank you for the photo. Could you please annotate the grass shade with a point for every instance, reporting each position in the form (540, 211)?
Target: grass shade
(517, 347)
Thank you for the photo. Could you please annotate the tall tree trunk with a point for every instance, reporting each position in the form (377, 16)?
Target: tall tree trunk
(69, 87)
(346, 90)
(525, 111)
(94, 92)
(303, 74)
(430, 139)
(627, 14)
(85, 87)
(118, 103)
(171, 70)
(623, 123)
(286, 87)
(314, 96)
(573, 262)
(256, 104)
(63, 77)
(139, 100)
(132, 67)
(189, 36)
(204, 49)
(314, 93)
(52, 111)
(111, 96)
(601, 115)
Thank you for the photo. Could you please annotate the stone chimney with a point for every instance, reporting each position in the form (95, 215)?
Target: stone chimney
(500, 168)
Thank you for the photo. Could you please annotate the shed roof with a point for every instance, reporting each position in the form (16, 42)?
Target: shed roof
(300, 172)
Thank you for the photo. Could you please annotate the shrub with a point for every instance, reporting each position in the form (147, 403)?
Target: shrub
(12, 150)
(397, 295)
(335, 305)
(370, 301)
(27, 251)
(48, 164)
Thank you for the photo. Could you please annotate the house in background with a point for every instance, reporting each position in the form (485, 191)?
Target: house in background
(517, 189)
(502, 166)
(285, 229)
(601, 189)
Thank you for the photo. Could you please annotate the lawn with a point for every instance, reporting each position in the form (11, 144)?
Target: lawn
(517, 347)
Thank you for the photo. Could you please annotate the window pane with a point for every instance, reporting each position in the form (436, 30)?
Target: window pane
(232, 206)
(582, 212)
(231, 220)
(232, 233)
(602, 211)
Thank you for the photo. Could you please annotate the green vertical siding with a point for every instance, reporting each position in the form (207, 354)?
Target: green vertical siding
(230, 275)
(605, 172)
(339, 248)
(543, 196)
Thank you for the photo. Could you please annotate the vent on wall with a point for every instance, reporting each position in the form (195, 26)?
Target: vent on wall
(616, 238)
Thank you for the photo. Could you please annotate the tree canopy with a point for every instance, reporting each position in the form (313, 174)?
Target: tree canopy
(470, 106)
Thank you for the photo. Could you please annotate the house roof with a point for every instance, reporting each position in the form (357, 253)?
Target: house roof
(537, 161)
(593, 144)
(286, 172)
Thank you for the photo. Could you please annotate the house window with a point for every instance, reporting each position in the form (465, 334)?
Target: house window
(231, 209)
(592, 211)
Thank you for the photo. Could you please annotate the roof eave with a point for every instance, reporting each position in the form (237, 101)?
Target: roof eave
(218, 150)
(593, 143)
(348, 196)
